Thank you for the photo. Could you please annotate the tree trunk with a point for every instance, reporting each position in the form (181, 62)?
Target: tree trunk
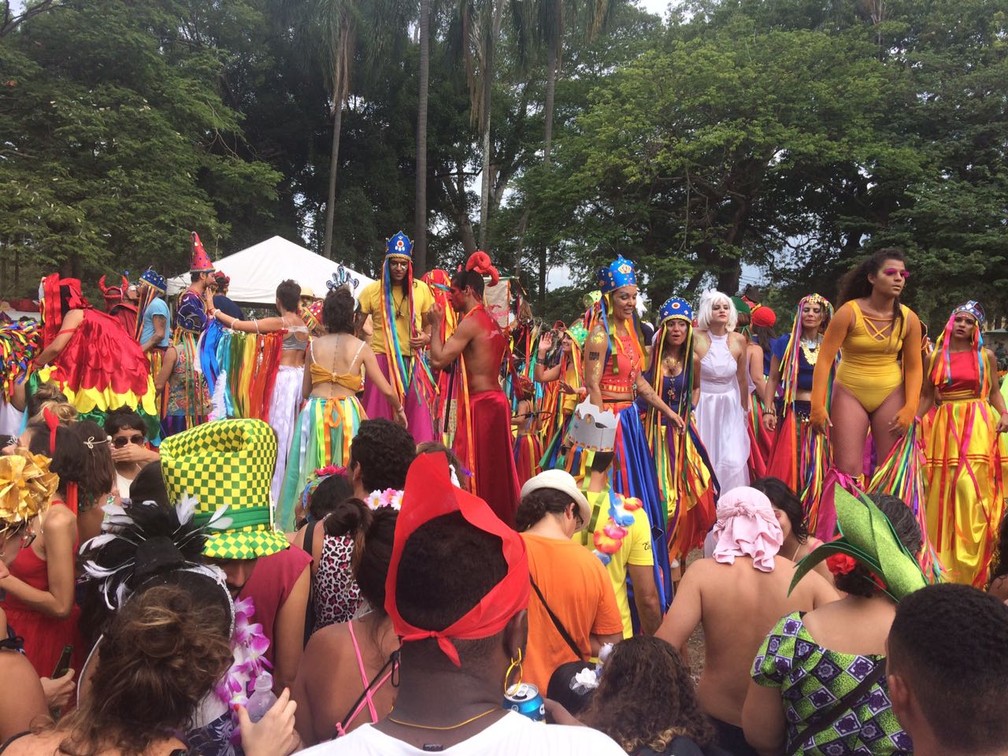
(333, 165)
(489, 66)
(552, 63)
(420, 216)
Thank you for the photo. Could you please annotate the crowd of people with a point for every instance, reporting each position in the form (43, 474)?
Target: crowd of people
(409, 522)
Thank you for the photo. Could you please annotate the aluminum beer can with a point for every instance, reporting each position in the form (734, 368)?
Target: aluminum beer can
(525, 699)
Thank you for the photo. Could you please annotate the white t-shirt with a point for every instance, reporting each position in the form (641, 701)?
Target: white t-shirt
(511, 734)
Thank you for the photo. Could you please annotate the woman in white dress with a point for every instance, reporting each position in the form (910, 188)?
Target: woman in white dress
(724, 396)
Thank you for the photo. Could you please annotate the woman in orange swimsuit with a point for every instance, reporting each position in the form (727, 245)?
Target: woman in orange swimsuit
(332, 413)
(878, 382)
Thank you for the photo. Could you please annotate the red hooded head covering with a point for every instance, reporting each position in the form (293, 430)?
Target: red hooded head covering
(52, 306)
(429, 493)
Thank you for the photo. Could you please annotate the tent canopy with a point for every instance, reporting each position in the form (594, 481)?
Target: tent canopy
(255, 272)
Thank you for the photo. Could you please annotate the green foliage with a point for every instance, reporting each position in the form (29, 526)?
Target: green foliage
(788, 136)
(118, 143)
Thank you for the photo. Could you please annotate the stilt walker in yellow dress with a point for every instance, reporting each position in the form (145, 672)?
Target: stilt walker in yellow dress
(965, 448)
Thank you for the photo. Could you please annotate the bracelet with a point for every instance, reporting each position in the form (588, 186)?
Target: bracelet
(767, 412)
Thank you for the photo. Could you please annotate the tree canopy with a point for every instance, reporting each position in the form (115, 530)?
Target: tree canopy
(791, 137)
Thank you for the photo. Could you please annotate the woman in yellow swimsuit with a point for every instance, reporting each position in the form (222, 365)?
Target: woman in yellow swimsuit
(331, 415)
(878, 381)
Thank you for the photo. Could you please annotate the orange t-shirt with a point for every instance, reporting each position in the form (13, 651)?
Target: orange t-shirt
(578, 590)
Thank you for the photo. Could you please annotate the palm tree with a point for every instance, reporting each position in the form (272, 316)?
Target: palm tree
(541, 25)
(337, 27)
(420, 217)
(480, 29)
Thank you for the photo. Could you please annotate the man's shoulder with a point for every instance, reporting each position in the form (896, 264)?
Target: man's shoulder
(157, 306)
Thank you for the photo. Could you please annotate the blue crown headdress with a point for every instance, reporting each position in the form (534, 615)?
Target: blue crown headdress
(974, 308)
(675, 307)
(155, 279)
(401, 373)
(399, 246)
(620, 272)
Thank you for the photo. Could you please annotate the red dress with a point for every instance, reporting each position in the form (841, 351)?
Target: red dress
(44, 635)
(102, 368)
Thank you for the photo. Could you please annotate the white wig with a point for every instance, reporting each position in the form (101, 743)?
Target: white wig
(704, 311)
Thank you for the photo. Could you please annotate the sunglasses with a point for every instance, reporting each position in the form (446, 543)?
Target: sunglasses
(119, 442)
(901, 272)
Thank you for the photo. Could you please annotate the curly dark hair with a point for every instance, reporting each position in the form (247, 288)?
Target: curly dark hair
(338, 311)
(447, 566)
(947, 642)
(859, 582)
(384, 452)
(783, 498)
(855, 284)
(124, 418)
(166, 652)
(539, 503)
(288, 293)
(645, 668)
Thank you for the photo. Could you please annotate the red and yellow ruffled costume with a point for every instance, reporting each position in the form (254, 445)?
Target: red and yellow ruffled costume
(101, 368)
(963, 469)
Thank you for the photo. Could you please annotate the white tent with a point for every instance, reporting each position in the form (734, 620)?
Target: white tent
(256, 271)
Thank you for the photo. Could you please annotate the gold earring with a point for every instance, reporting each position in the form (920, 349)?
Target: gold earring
(515, 663)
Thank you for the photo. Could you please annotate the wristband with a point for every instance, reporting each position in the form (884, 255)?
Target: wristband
(767, 412)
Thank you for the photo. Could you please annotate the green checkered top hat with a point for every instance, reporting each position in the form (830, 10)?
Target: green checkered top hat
(227, 463)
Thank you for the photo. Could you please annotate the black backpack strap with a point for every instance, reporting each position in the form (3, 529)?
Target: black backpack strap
(557, 623)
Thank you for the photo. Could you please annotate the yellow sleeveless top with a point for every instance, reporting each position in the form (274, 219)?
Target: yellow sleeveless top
(350, 381)
(869, 358)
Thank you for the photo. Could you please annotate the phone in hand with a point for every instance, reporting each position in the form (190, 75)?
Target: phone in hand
(63, 665)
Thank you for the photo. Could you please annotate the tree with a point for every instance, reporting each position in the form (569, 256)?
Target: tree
(420, 217)
(117, 143)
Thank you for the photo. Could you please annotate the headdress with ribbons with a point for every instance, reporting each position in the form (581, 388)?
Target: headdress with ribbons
(428, 494)
(941, 365)
(152, 278)
(867, 536)
(619, 273)
(790, 360)
(58, 297)
(400, 374)
(156, 285)
(674, 308)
